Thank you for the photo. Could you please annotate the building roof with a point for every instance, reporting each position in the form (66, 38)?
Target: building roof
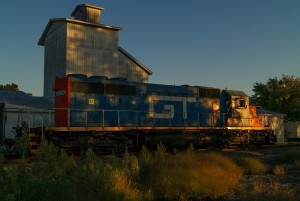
(236, 93)
(53, 20)
(21, 100)
(262, 112)
(135, 61)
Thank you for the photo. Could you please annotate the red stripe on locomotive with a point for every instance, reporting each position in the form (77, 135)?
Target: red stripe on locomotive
(62, 101)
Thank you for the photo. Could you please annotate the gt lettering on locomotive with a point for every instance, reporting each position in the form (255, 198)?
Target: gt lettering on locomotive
(169, 110)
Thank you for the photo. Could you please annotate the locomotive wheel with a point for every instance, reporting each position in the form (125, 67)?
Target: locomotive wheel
(10, 149)
(10, 145)
(242, 144)
(82, 150)
(119, 148)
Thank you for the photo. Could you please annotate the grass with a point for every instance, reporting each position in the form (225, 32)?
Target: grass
(54, 175)
(273, 190)
(158, 175)
(251, 165)
(196, 176)
(279, 170)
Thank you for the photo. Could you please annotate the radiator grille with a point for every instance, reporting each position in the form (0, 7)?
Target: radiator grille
(115, 89)
(87, 87)
(209, 93)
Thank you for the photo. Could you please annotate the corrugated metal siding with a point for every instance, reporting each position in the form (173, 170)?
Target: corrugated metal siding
(93, 15)
(72, 48)
(131, 70)
(92, 51)
(55, 56)
(88, 14)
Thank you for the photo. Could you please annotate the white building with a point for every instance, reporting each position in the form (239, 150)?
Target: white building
(274, 121)
(17, 106)
(292, 130)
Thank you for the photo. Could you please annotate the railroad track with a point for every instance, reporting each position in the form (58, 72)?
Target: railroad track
(13, 158)
(249, 151)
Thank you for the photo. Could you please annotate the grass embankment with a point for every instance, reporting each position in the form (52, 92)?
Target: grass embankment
(149, 176)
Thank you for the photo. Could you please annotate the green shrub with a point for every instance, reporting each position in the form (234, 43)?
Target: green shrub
(23, 145)
(46, 178)
(50, 176)
(251, 165)
(110, 180)
(147, 170)
(47, 152)
(158, 175)
(1, 161)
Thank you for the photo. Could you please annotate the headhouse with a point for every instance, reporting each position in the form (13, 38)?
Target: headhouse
(83, 45)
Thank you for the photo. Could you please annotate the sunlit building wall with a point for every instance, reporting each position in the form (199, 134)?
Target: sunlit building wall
(84, 46)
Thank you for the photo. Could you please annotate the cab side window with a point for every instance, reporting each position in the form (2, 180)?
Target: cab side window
(241, 103)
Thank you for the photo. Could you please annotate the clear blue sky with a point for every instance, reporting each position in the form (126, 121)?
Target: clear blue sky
(219, 43)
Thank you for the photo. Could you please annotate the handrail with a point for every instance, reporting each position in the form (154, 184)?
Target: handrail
(119, 118)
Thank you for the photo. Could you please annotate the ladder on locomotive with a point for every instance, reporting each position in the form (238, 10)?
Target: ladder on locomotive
(34, 141)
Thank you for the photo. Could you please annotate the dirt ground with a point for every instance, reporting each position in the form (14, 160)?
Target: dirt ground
(290, 179)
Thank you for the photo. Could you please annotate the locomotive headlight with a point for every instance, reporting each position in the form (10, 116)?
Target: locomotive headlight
(215, 107)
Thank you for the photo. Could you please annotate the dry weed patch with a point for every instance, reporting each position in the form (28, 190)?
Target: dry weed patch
(251, 165)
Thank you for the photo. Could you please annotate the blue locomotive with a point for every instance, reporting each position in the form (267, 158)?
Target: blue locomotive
(109, 113)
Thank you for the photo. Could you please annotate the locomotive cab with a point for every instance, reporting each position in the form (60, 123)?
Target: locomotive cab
(234, 109)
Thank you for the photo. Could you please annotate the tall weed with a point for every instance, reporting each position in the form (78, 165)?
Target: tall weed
(23, 145)
(187, 175)
(123, 187)
(274, 191)
(158, 175)
(251, 165)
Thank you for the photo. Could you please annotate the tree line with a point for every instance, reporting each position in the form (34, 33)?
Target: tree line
(12, 86)
(279, 95)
